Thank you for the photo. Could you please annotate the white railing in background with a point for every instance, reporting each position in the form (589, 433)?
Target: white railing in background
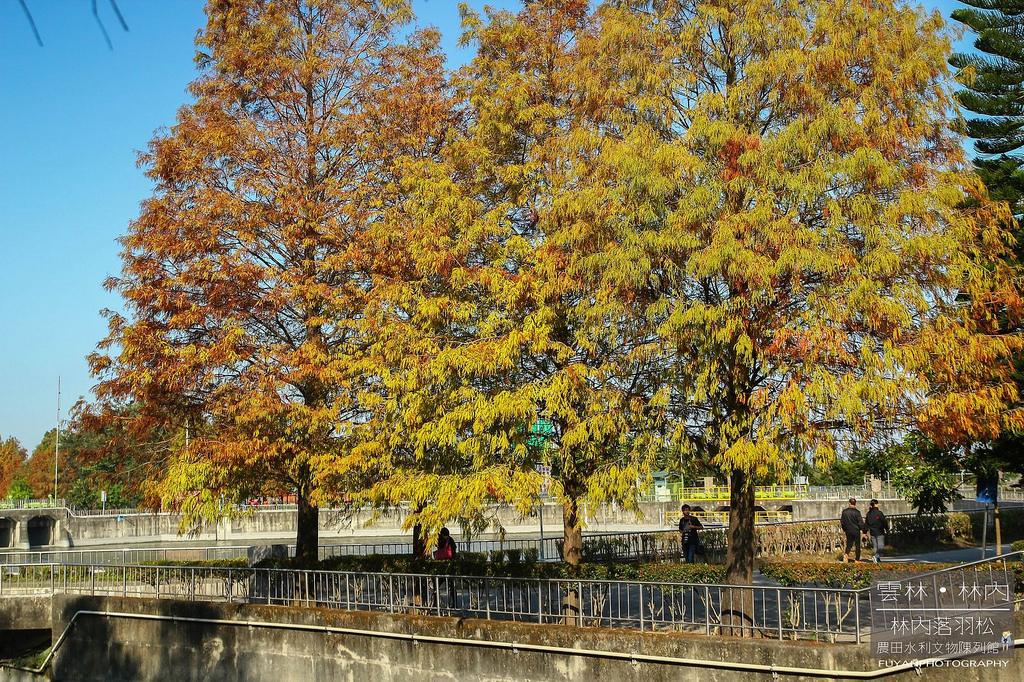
(32, 504)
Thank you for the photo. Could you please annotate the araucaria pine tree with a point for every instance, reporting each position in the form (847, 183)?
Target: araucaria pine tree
(993, 90)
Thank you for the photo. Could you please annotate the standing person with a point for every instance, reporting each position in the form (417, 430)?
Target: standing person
(878, 526)
(446, 548)
(688, 527)
(853, 526)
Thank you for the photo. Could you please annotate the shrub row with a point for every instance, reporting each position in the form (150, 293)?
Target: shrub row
(929, 529)
(857, 576)
(1011, 525)
(476, 564)
(238, 562)
(812, 537)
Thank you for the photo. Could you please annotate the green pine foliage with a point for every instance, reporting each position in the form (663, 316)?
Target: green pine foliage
(993, 78)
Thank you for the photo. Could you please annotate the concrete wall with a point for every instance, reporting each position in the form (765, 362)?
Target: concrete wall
(279, 643)
(25, 613)
(22, 527)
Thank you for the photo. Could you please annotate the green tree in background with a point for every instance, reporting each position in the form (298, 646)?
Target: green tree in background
(105, 448)
(923, 473)
(19, 490)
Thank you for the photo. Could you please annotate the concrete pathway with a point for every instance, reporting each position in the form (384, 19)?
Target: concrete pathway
(950, 556)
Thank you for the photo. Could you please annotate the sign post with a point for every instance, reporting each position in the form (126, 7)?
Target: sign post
(988, 487)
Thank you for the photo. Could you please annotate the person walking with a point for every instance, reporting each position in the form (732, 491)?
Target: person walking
(689, 525)
(853, 527)
(878, 526)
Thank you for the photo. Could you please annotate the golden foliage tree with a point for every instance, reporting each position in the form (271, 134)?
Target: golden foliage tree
(522, 312)
(246, 273)
(38, 469)
(647, 223)
(822, 282)
(12, 461)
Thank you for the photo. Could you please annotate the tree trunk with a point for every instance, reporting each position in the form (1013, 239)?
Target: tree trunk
(737, 604)
(419, 541)
(572, 531)
(572, 552)
(307, 539)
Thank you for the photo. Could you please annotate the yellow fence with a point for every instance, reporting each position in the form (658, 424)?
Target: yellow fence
(721, 492)
(722, 518)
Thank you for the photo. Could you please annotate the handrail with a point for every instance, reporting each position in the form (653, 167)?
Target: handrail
(1002, 558)
(628, 604)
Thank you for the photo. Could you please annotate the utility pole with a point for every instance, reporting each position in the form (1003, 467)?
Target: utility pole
(56, 450)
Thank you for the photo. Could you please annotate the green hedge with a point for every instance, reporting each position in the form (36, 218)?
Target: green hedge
(476, 564)
(1011, 525)
(856, 576)
(210, 563)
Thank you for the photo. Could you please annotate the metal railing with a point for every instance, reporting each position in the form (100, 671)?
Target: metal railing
(722, 492)
(124, 555)
(805, 613)
(820, 614)
(79, 512)
(546, 549)
(32, 504)
(722, 518)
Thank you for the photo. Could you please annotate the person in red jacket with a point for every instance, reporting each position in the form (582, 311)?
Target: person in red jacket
(446, 548)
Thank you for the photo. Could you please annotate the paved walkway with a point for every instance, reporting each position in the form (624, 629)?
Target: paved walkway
(950, 556)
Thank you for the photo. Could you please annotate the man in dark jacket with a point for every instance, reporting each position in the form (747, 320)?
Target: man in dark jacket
(688, 527)
(853, 526)
(878, 526)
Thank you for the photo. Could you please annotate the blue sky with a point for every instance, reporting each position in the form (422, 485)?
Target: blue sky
(74, 115)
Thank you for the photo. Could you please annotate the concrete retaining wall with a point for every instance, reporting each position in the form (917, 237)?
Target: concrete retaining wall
(25, 613)
(278, 643)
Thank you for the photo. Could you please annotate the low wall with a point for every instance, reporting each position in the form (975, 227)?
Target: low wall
(133, 639)
(25, 613)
